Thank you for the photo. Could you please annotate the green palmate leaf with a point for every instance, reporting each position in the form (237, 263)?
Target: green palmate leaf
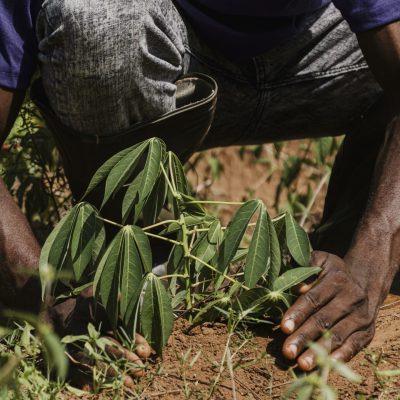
(207, 244)
(123, 170)
(155, 202)
(259, 251)
(145, 182)
(211, 311)
(157, 317)
(143, 245)
(152, 169)
(276, 257)
(82, 239)
(234, 233)
(191, 207)
(99, 242)
(105, 169)
(100, 267)
(178, 174)
(293, 277)
(131, 198)
(56, 248)
(132, 274)
(240, 255)
(107, 281)
(249, 301)
(280, 229)
(297, 241)
(175, 266)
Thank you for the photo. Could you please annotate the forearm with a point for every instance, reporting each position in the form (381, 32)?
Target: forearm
(19, 250)
(375, 243)
(375, 251)
(381, 48)
(19, 256)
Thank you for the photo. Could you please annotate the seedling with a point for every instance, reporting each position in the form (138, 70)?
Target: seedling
(209, 275)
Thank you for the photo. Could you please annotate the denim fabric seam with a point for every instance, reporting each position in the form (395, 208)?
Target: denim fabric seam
(315, 75)
(214, 66)
(262, 96)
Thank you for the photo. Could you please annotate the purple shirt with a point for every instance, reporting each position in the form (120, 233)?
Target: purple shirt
(239, 28)
(246, 28)
(18, 51)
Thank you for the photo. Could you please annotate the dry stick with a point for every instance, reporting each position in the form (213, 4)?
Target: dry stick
(314, 198)
(204, 383)
(221, 367)
(159, 394)
(249, 389)
(231, 372)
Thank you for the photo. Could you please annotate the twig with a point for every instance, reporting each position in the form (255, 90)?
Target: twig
(314, 198)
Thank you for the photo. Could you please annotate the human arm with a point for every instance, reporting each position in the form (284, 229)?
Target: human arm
(348, 293)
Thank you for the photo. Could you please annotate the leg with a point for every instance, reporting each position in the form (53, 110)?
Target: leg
(319, 85)
(106, 67)
(110, 64)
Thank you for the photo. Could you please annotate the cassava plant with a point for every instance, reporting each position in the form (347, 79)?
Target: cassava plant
(210, 271)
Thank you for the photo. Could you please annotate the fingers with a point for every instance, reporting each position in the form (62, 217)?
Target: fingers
(142, 349)
(313, 328)
(319, 258)
(307, 305)
(354, 344)
(117, 352)
(337, 337)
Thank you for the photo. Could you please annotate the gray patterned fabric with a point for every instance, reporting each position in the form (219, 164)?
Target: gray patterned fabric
(108, 64)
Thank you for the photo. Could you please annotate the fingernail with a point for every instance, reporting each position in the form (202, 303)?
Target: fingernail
(308, 361)
(292, 349)
(289, 325)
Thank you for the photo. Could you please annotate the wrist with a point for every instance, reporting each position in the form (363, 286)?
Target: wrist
(372, 261)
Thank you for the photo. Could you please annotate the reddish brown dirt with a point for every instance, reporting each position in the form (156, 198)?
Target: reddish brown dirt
(263, 377)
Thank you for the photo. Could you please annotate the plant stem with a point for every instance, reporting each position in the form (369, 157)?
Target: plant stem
(314, 197)
(229, 203)
(221, 367)
(164, 238)
(173, 191)
(109, 221)
(170, 169)
(186, 252)
(218, 272)
(173, 276)
(168, 221)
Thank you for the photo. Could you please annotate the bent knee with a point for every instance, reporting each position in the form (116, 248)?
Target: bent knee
(112, 64)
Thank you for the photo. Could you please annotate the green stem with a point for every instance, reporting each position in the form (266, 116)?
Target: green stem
(164, 238)
(174, 276)
(170, 168)
(168, 221)
(218, 272)
(186, 252)
(109, 222)
(229, 203)
(173, 191)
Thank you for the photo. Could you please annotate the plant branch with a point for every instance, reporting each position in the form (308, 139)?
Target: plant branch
(218, 272)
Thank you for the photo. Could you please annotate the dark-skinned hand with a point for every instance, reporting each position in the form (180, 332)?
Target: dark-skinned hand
(335, 302)
(72, 316)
